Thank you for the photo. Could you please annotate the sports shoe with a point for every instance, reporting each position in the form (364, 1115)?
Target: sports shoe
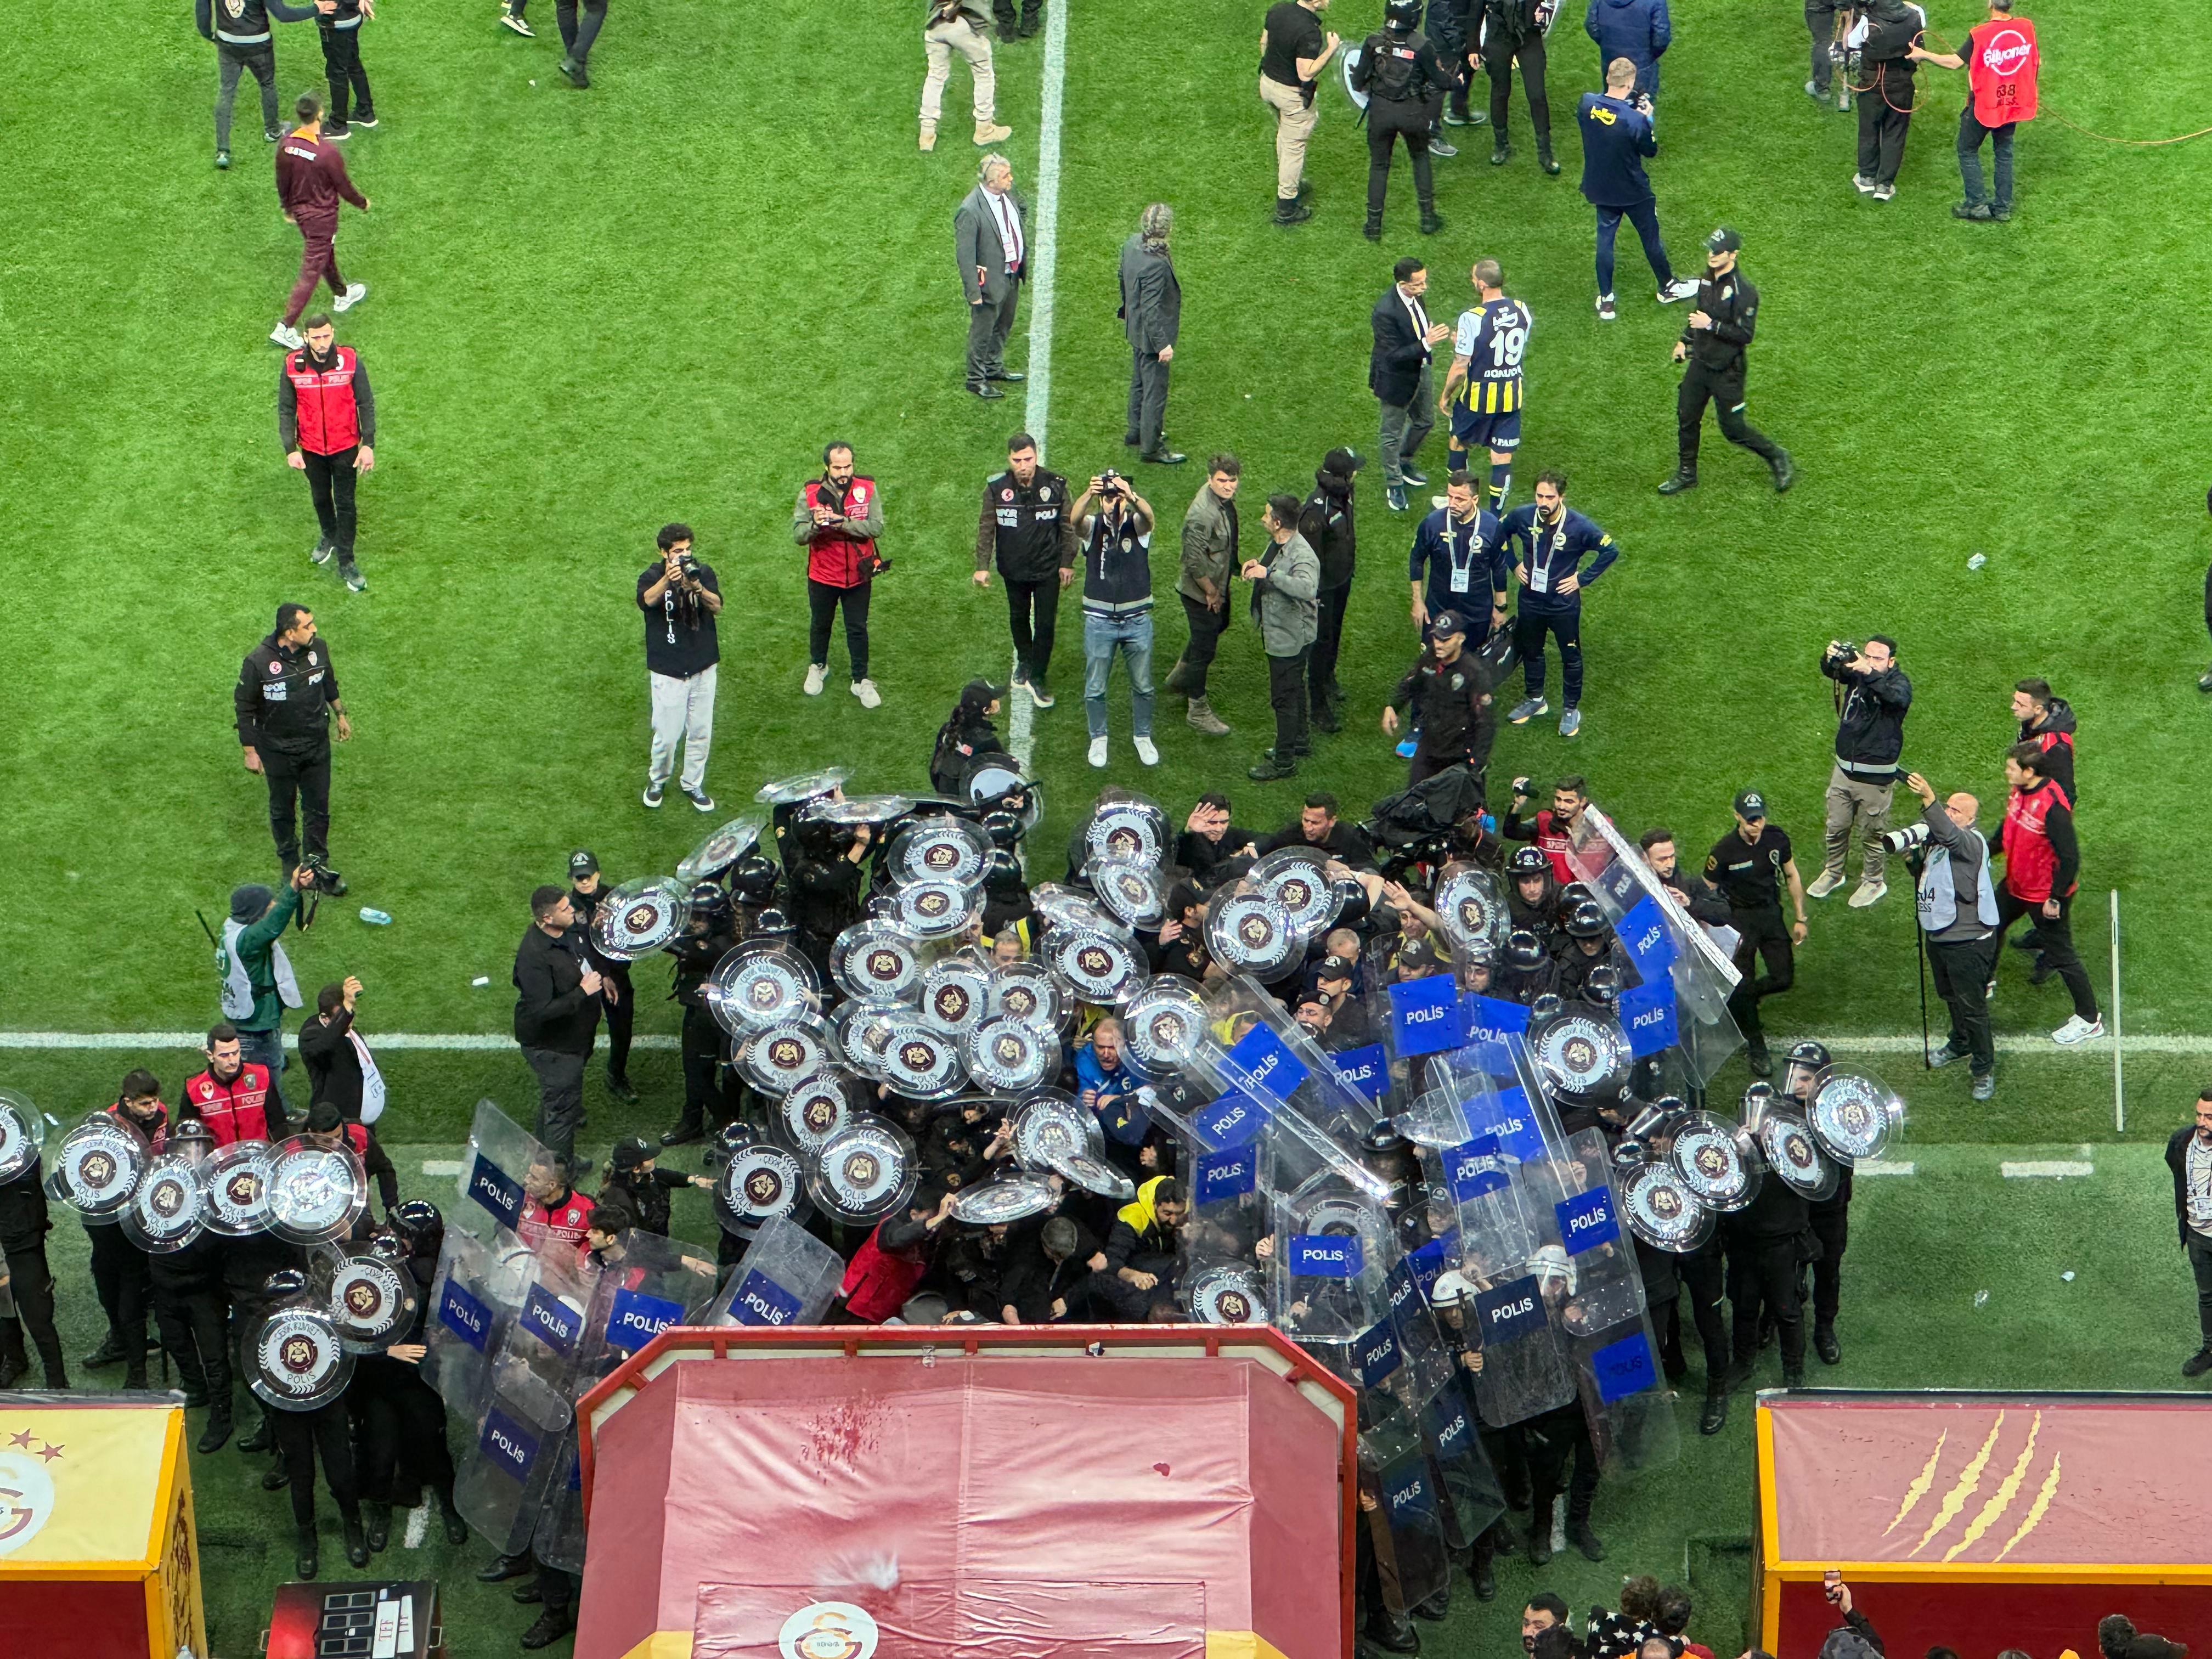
(1883, 192)
(579, 77)
(1452, 120)
(1682, 287)
(2078, 1029)
(355, 293)
(2198, 1363)
(1292, 212)
(324, 547)
(652, 796)
(1867, 892)
(1824, 884)
(1970, 211)
(1500, 153)
(362, 118)
(286, 335)
(350, 573)
(513, 18)
(1785, 471)
(699, 799)
(1097, 756)
(1437, 146)
(1396, 494)
(1985, 1087)
(1862, 184)
(1675, 483)
(1943, 1056)
(816, 674)
(1416, 479)
(1039, 696)
(2002, 213)
(338, 135)
(1146, 750)
(989, 133)
(1527, 708)
(2204, 681)
(1270, 766)
(223, 161)
(1604, 311)
(1571, 722)
(1813, 92)
(929, 135)
(866, 692)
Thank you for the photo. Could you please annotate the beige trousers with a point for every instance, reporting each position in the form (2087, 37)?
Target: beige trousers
(940, 43)
(1294, 125)
(1851, 802)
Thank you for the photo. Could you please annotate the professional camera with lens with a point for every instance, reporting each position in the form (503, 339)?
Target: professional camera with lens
(1907, 841)
(687, 567)
(1111, 483)
(1843, 650)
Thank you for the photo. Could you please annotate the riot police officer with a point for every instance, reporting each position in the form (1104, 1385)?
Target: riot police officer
(1399, 72)
(1829, 1217)
(304, 1435)
(1767, 1245)
(707, 936)
(190, 1310)
(400, 1417)
(24, 1224)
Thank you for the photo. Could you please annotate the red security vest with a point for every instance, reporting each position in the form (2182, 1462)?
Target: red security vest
(833, 558)
(2001, 64)
(233, 1111)
(877, 1282)
(2030, 863)
(329, 423)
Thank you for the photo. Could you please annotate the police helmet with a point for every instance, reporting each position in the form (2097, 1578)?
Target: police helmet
(285, 1282)
(1758, 1101)
(1545, 1006)
(1573, 893)
(1403, 14)
(1004, 830)
(729, 1140)
(1003, 874)
(1601, 985)
(752, 877)
(1670, 1105)
(1528, 862)
(1481, 951)
(387, 1245)
(1809, 1055)
(419, 1222)
(772, 923)
(192, 1135)
(1524, 949)
(1586, 920)
(709, 903)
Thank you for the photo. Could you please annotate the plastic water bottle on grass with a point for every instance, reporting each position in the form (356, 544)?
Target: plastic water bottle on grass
(374, 918)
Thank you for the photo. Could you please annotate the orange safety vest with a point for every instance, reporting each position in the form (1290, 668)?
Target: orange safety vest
(2001, 64)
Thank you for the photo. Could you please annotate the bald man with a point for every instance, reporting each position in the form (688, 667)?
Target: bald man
(1958, 908)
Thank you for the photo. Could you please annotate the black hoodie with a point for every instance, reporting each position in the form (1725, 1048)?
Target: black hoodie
(1325, 520)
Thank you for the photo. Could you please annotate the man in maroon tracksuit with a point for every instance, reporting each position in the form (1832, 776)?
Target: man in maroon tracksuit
(326, 421)
(311, 177)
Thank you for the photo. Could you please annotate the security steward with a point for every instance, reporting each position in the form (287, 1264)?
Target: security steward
(1026, 530)
(586, 892)
(1713, 342)
(1749, 864)
(326, 423)
(286, 699)
(709, 933)
(1829, 1218)
(1448, 690)
(1767, 1241)
(1399, 72)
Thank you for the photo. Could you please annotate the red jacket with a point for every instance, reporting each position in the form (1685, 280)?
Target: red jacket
(327, 410)
(878, 1282)
(233, 1111)
(833, 555)
(564, 1223)
(2030, 862)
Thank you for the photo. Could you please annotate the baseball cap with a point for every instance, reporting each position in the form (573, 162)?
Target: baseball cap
(631, 1153)
(1343, 462)
(1334, 967)
(1723, 241)
(582, 863)
(1446, 621)
(1749, 805)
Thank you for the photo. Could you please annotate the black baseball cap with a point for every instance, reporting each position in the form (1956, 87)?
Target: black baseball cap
(1343, 462)
(1445, 622)
(1723, 241)
(1750, 805)
(582, 863)
(1334, 967)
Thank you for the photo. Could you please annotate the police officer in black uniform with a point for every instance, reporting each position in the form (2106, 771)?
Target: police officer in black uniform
(398, 1418)
(1829, 1218)
(1749, 864)
(1025, 530)
(1703, 1273)
(1505, 32)
(587, 891)
(24, 1224)
(286, 698)
(1325, 520)
(1766, 1243)
(1713, 341)
(190, 1308)
(1399, 72)
(709, 935)
(646, 1189)
(1448, 690)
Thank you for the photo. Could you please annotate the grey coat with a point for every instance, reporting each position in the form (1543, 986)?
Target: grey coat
(1151, 298)
(976, 241)
(1286, 597)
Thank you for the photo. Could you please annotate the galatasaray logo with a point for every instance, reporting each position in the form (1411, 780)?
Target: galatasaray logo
(828, 1630)
(27, 1498)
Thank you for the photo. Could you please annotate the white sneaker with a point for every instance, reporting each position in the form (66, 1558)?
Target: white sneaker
(1099, 751)
(816, 673)
(1867, 893)
(2078, 1029)
(866, 692)
(355, 293)
(1146, 752)
(507, 16)
(1682, 287)
(286, 335)
(1862, 184)
(1823, 884)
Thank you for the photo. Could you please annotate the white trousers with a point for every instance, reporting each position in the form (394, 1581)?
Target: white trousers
(683, 713)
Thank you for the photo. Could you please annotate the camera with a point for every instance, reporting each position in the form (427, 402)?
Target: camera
(688, 566)
(1909, 839)
(1843, 650)
(1111, 483)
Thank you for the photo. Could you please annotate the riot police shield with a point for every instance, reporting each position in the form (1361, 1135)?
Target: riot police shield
(1224, 1293)
(1793, 1154)
(1715, 1160)
(721, 849)
(1625, 1399)
(778, 1059)
(646, 1282)
(296, 1359)
(1332, 1249)
(1297, 878)
(1007, 1056)
(866, 1171)
(1132, 828)
(787, 1277)
(1467, 1486)
(759, 984)
(875, 961)
(237, 1181)
(506, 1472)
(1048, 1125)
(22, 1135)
(1101, 966)
(863, 1030)
(1270, 1057)
(939, 848)
(1579, 1211)
(169, 1209)
(373, 1299)
(1405, 1526)
(763, 1182)
(99, 1167)
(935, 909)
(557, 1538)
(316, 1190)
(1162, 1027)
(955, 993)
(1249, 932)
(1014, 1196)
(1134, 894)
(1027, 991)
(494, 1166)
(1524, 1372)
(812, 1111)
(1470, 907)
(1855, 1114)
(922, 1062)
(639, 917)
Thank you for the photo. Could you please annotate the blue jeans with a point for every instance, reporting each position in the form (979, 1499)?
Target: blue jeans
(1971, 134)
(1132, 637)
(267, 1048)
(1644, 216)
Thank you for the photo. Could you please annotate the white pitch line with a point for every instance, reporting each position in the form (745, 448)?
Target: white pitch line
(418, 1526)
(485, 1040)
(441, 1166)
(2184, 1044)
(1865, 1167)
(2034, 1170)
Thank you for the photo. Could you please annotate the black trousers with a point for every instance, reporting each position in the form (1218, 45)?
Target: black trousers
(1762, 1278)
(301, 1437)
(702, 1053)
(2054, 938)
(401, 1427)
(1207, 625)
(1286, 695)
(308, 777)
(2199, 1250)
(1723, 389)
(1148, 400)
(1881, 132)
(331, 480)
(31, 1281)
(1832, 1226)
(1003, 12)
(1033, 613)
(1497, 61)
(1820, 24)
(124, 1287)
(1552, 1439)
(1961, 973)
(577, 34)
(350, 94)
(1427, 763)
(1761, 939)
(621, 1018)
(822, 604)
(1386, 123)
(1705, 1276)
(1562, 621)
(193, 1316)
(556, 1589)
(1320, 661)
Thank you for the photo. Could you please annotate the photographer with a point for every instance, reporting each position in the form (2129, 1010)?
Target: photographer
(680, 598)
(1955, 861)
(838, 520)
(2043, 862)
(1872, 698)
(1117, 605)
(1884, 33)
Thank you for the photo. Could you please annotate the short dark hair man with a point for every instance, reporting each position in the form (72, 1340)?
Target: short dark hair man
(1318, 826)
(1294, 50)
(311, 182)
(2001, 59)
(1547, 544)
(1210, 558)
(2043, 864)
(340, 1068)
(681, 597)
(1447, 691)
(245, 43)
(1028, 528)
(1750, 865)
(1716, 340)
(1326, 520)
(2047, 721)
(1398, 374)
(1957, 904)
(287, 705)
(1285, 582)
(2189, 1154)
(1872, 699)
(326, 423)
(557, 1015)
(838, 519)
(1617, 135)
(1458, 562)
(1117, 606)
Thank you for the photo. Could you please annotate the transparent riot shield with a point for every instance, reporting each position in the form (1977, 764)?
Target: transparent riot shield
(955, 993)
(462, 1331)
(1630, 1408)
(1524, 1373)
(1580, 1211)
(557, 1539)
(237, 1181)
(1854, 1115)
(1425, 1362)
(295, 1359)
(494, 1164)
(23, 1133)
(645, 1283)
(98, 1167)
(506, 1472)
(318, 1190)
(373, 1299)
(1465, 1483)
(787, 1277)
(169, 1209)
(1162, 1027)
(1497, 1232)
(1404, 1524)
(1470, 906)
(1330, 1252)
(1424, 1017)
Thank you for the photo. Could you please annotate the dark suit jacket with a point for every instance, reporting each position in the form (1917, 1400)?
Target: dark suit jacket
(2176, 1159)
(1151, 298)
(333, 1068)
(1394, 366)
(976, 241)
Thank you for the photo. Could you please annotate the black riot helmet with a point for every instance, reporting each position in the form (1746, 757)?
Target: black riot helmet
(710, 904)
(418, 1221)
(191, 1135)
(1601, 986)
(1586, 920)
(1402, 15)
(1528, 862)
(1545, 1006)
(1004, 829)
(1002, 876)
(752, 878)
(1574, 893)
(1524, 949)
(772, 923)
(1804, 1060)
(284, 1284)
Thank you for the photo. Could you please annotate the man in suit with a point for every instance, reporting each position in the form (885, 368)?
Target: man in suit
(2189, 1154)
(990, 240)
(1152, 314)
(1398, 375)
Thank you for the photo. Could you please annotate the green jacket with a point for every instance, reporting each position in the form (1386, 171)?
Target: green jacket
(1285, 598)
(253, 945)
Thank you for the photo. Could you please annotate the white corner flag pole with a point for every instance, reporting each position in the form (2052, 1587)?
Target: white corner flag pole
(2119, 1092)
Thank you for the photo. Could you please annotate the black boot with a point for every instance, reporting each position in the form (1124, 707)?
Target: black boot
(218, 1428)
(1431, 224)
(309, 1561)
(1544, 157)
(1500, 152)
(1437, 1607)
(1386, 1631)
(277, 1478)
(1681, 478)
(1741, 1370)
(109, 1352)
(504, 1566)
(1325, 719)
(1372, 230)
(457, 1530)
(376, 1519)
(1793, 1376)
(1482, 1570)
(263, 1437)
(1272, 765)
(552, 1625)
(356, 1541)
(1824, 1345)
(1539, 1533)
(1580, 1536)
(1715, 1416)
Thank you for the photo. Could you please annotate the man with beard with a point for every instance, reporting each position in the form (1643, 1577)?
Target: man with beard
(587, 890)
(118, 1266)
(707, 936)
(1552, 828)
(1484, 390)
(1447, 692)
(2189, 1156)
(1461, 547)
(1713, 343)
(286, 700)
(327, 421)
(1549, 543)
(1140, 1251)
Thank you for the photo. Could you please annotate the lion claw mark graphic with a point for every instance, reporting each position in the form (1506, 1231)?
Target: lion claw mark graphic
(1921, 1483)
(2001, 1500)
(2035, 1510)
(1969, 1481)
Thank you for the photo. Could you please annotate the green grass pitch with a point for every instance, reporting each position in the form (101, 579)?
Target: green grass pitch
(594, 312)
